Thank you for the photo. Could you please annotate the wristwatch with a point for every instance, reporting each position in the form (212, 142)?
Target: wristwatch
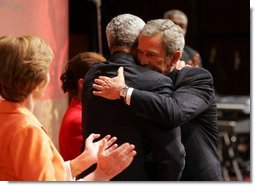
(123, 93)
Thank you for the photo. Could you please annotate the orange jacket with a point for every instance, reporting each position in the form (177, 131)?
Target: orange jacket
(27, 153)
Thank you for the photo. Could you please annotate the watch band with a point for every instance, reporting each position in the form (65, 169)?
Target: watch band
(123, 93)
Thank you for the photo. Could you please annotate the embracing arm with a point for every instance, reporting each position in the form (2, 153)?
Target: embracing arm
(192, 95)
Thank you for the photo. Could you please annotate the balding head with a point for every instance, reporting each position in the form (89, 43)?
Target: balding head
(178, 17)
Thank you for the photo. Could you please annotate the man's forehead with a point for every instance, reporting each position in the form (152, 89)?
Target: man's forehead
(149, 40)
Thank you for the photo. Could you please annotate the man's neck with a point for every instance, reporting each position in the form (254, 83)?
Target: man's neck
(120, 49)
(131, 51)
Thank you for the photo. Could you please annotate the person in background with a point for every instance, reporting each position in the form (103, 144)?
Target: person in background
(191, 105)
(189, 55)
(115, 117)
(70, 135)
(27, 152)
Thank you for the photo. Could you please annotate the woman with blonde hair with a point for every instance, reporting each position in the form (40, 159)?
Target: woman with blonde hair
(27, 152)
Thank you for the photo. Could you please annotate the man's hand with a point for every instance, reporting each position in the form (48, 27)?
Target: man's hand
(181, 64)
(109, 88)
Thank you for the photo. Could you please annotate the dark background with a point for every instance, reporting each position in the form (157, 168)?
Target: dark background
(218, 29)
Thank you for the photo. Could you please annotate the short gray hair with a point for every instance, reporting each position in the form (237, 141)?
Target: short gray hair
(172, 34)
(123, 30)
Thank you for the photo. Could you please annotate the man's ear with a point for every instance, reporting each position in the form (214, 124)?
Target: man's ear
(176, 57)
(80, 83)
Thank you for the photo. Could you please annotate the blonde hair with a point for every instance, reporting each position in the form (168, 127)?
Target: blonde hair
(24, 64)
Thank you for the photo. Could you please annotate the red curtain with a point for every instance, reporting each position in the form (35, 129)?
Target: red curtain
(47, 19)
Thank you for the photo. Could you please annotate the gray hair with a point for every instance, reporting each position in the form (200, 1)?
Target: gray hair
(123, 31)
(172, 34)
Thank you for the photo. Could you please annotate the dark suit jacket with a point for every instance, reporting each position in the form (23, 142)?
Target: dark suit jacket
(116, 118)
(192, 106)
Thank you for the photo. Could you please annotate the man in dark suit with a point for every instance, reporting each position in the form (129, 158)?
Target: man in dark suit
(116, 118)
(191, 106)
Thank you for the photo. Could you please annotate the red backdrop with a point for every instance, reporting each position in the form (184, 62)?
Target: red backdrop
(47, 19)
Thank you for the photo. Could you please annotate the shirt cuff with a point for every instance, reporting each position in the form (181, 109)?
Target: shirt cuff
(69, 176)
(129, 94)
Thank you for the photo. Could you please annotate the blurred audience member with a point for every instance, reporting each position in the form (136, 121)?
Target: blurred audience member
(190, 56)
(70, 135)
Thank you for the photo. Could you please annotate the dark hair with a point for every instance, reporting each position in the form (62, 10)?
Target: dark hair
(76, 69)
